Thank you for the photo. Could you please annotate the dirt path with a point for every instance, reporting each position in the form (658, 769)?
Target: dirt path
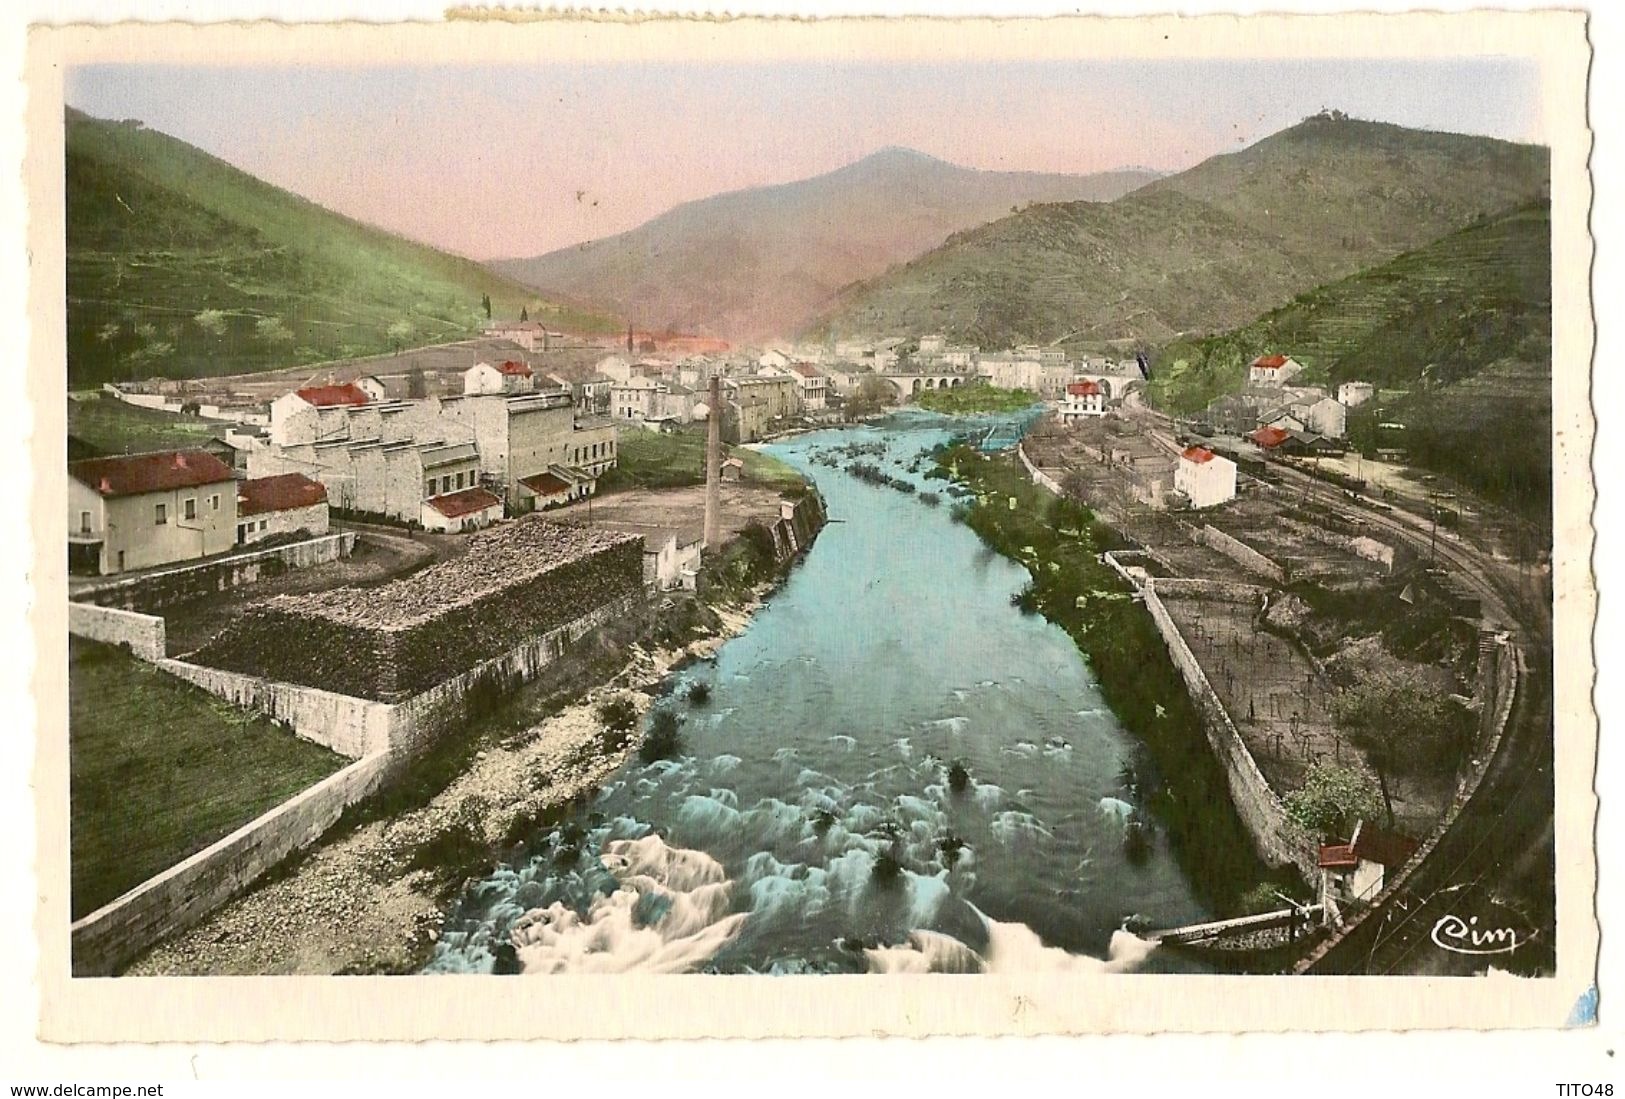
(356, 905)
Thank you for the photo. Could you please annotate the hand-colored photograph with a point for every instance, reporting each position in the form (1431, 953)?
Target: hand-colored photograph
(838, 516)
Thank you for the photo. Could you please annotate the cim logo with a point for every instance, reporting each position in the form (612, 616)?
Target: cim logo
(1461, 936)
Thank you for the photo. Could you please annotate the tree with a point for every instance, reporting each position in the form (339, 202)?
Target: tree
(1398, 726)
(524, 314)
(1332, 799)
(212, 321)
(417, 383)
(272, 330)
(873, 394)
(399, 333)
(485, 300)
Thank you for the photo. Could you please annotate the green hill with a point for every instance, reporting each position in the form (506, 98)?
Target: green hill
(1202, 251)
(180, 265)
(1462, 326)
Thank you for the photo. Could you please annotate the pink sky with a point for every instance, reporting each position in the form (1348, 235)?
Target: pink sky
(513, 161)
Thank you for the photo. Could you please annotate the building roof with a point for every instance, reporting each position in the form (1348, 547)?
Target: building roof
(1197, 454)
(1084, 388)
(1376, 845)
(1338, 856)
(807, 370)
(1270, 437)
(514, 369)
(331, 396)
(456, 504)
(545, 484)
(163, 471)
(280, 493)
(1270, 362)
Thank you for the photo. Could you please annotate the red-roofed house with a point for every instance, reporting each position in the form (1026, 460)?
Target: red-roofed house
(137, 511)
(1269, 438)
(546, 490)
(1273, 370)
(1206, 478)
(470, 509)
(315, 412)
(1083, 399)
(509, 376)
(289, 503)
(1356, 871)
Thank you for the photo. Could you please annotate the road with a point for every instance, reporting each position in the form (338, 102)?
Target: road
(1496, 861)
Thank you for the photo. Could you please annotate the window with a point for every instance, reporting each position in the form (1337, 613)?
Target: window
(84, 522)
(428, 487)
(459, 480)
(189, 507)
(214, 502)
(445, 483)
(160, 514)
(262, 524)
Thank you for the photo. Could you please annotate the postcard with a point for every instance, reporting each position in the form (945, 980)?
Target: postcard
(641, 528)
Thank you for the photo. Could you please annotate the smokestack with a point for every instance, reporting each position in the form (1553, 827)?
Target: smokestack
(713, 466)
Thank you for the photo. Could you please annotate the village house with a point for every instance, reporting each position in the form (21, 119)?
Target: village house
(1355, 872)
(933, 346)
(505, 377)
(1205, 478)
(593, 445)
(781, 394)
(773, 358)
(813, 386)
(733, 469)
(1083, 399)
(1355, 394)
(455, 512)
(517, 436)
(1273, 370)
(314, 413)
(1323, 416)
(138, 511)
(634, 399)
(527, 334)
(616, 368)
(372, 386)
(289, 503)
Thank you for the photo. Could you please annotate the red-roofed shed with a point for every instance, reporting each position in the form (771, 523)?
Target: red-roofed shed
(334, 396)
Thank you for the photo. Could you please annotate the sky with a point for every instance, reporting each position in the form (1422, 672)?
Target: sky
(503, 161)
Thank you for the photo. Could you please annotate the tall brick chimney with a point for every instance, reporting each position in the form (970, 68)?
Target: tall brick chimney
(713, 466)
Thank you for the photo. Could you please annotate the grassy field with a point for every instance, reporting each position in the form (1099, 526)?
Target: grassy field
(160, 770)
(650, 460)
(975, 398)
(180, 265)
(114, 427)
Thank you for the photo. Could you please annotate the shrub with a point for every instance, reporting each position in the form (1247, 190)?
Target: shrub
(1332, 799)
(950, 847)
(664, 738)
(619, 716)
(699, 694)
(958, 776)
(1260, 898)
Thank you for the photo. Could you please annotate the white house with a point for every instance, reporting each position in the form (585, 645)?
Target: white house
(774, 358)
(470, 509)
(314, 412)
(1355, 394)
(1355, 872)
(616, 368)
(505, 377)
(1083, 399)
(634, 399)
(813, 384)
(1273, 370)
(1205, 478)
(1324, 417)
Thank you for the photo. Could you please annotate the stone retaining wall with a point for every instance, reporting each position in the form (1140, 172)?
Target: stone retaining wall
(1038, 476)
(143, 633)
(181, 896)
(1239, 552)
(1277, 838)
(352, 727)
(155, 590)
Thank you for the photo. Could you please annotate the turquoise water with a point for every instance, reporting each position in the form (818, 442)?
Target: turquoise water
(823, 751)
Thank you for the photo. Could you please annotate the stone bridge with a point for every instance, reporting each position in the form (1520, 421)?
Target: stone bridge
(912, 385)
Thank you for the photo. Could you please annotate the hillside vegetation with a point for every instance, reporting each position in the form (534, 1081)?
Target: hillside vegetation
(1202, 251)
(758, 263)
(1462, 326)
(180, 265)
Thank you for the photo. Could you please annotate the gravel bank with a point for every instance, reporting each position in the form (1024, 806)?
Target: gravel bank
(356, 905)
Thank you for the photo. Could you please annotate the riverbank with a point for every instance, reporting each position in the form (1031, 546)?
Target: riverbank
(1059, 543)
(371, 899)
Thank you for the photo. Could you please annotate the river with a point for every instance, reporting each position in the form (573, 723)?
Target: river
(823, 752)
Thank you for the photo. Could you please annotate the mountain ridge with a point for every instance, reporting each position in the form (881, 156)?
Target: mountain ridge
(756, 262)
